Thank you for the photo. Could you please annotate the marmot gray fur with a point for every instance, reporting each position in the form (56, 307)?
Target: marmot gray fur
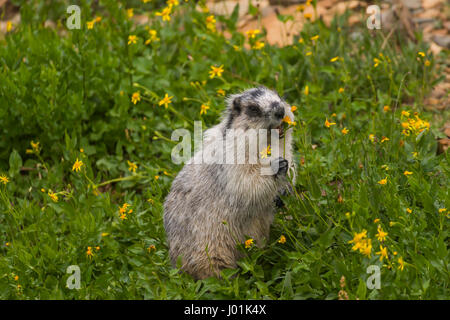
(212, 207)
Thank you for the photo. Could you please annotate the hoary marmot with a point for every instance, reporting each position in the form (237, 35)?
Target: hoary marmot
(213, 206)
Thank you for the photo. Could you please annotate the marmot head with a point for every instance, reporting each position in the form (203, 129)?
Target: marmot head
(256, 108)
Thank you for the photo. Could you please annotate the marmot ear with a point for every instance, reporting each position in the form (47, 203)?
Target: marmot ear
(236, 107)
(234, 104)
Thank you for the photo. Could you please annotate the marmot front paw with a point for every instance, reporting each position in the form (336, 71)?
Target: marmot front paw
(279, 166)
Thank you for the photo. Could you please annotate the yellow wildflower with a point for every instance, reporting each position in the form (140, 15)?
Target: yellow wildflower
(89, 252)
(334, 59)
(53, 196)
(153, 36)
(211, 23)
(288, 120)
(248, 243)
(204, 108)
(123, 216)
(407, 173)
(376, 62)
(359, 236)
(282, 239)
(132, 166)
(258, 45)
(165, 13)
(381, 235)
(372, 137)
(383, 139)
(442, 210)
(215, 72)
(221, 92)
(308, 53)
(130, 13)
(293, 108)
(252, 33)
(401, 264)
(306, 91)
(383, 181)
(123, 208)
(315, 38)
(307, 16)
(77, 165)
(9, 26)
(367, 248)
(4, 179)
(405, 113)
(408, 210)
(341, 90)
(344, 131)
(166, 101)
(427, 63)
(386, 108)
(420, 53)
(35, 146)
(382, 253)
(151, 247)
(329, 124)
(132, 39)
(90, 24)
(136, 97)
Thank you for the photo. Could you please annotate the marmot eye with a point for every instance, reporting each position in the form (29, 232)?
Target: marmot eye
(253, 111)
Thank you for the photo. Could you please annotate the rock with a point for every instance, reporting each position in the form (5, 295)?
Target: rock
(428, 4)
(435, 48)
(412, 4)
(442, 40)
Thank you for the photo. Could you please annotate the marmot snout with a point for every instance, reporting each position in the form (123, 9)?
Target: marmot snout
(205, 195)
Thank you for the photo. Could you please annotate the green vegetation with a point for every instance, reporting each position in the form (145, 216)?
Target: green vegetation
(84, 132)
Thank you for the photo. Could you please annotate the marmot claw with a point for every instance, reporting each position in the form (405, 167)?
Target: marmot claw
(279, 166)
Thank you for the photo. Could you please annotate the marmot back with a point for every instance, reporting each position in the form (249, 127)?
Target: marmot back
(213, 205)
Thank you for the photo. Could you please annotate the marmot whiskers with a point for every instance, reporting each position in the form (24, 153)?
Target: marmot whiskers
(212, 206)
